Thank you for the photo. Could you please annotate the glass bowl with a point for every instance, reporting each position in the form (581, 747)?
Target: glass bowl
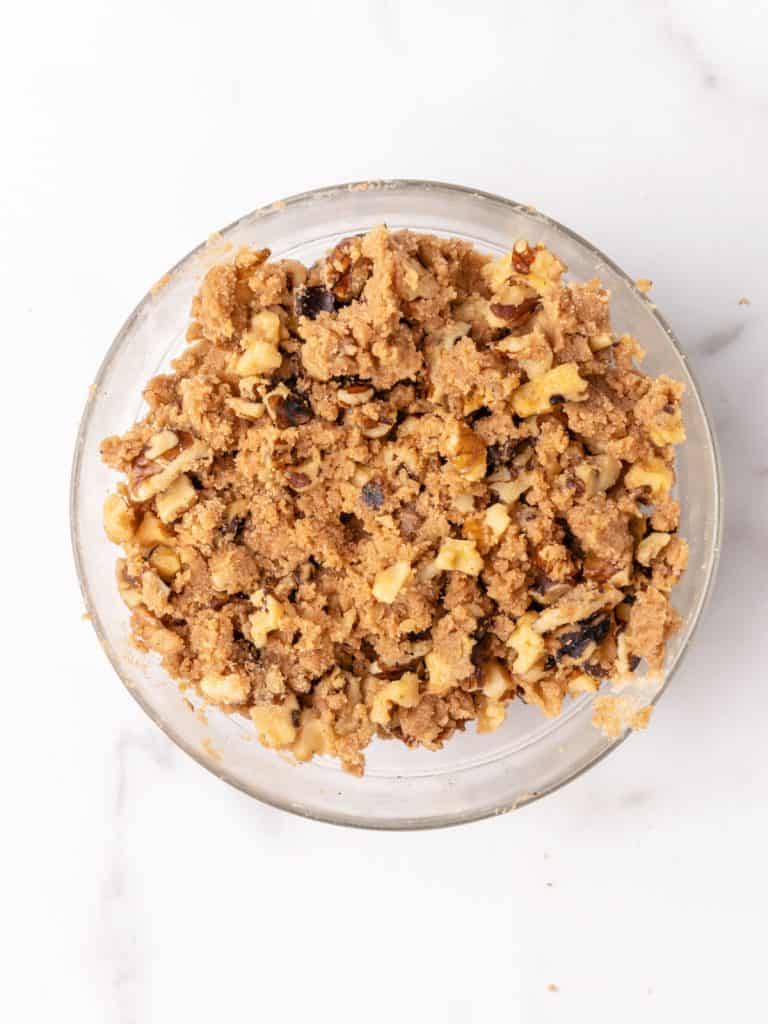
(474, 776)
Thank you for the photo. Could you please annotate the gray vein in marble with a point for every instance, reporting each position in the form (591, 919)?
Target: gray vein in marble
(122, 924)
(687, 47)
(685, 44)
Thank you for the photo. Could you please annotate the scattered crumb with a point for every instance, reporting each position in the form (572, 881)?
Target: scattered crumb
(201, 716)
(86, 616)
(360, 186)
(552, 987)
(279, 204)
(644, 285)
(744, 301)
(210, 750)
(91, 392)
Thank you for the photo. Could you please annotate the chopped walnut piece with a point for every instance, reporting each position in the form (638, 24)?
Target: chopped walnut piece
(179, 498)
(651, 546)
(165, 561)
(261, 353)
(161, 443)
(466, 451)
(277, 724)
(119, 520)
(561, 384)
(248, 410)
(162, 480)
(526, 643)
(459, 556)
(151, 532)
(259, 358)
(652, 473)
(402, 692)
(225, 689)
(266, 619)
(389, 582)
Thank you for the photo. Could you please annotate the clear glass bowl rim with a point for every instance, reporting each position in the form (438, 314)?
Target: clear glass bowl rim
(273, 210)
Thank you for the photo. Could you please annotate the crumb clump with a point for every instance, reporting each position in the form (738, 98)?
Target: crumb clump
(391, 493)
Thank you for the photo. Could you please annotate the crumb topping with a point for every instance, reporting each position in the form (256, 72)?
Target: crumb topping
(390, 493)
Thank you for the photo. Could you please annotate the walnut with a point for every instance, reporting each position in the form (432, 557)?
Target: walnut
(389, 582)
(598, 473)
(261, 353)
(314, 737)
(248, 410)
(266, 619)
(459, 556)
(466, 450)
(652, 473)
(514, 314)
(225, 689)
(651, 546)
(128, 586)
(276, 724)
(288, 409)
(151, 532)
(164, 561)
(402, 692)
(347, 270)
(510, 490)
(375, 429)
(561, 384)
(527, 644)
(161, 443)
(179, 498)
(354, 394)
(523, 256)
(119, 520)
(161, 480)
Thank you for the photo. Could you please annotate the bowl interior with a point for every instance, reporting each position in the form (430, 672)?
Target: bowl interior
(473, 776)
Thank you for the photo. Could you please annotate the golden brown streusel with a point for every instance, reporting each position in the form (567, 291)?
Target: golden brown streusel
(386, 494)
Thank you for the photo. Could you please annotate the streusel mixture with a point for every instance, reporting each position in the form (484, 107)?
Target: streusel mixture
(389, 494)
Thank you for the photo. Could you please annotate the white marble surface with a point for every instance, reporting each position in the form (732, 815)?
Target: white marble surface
(135, 886)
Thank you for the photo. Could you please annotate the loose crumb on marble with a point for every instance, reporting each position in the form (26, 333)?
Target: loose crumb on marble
(86, 617)
(744, 301)
(644, 285)
(398, 491)
(552, 987)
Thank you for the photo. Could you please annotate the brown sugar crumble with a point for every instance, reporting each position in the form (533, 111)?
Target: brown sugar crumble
(388, 494)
